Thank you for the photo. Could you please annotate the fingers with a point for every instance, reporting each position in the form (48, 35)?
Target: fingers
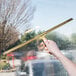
(45, 41)
(42, 44)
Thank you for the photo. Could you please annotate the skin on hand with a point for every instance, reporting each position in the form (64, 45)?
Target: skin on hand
(52, 47)
(68, 64)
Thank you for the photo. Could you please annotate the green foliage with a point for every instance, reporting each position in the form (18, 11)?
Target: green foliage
(27, 37)
(61, 40)
(30, 35)
(73, 38)
(15, 44)
(4, 66)
(2, 56)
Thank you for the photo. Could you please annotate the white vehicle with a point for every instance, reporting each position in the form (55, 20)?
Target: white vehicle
(41, 67)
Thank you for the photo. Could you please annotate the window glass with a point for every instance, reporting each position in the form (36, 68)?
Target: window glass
(53, 68)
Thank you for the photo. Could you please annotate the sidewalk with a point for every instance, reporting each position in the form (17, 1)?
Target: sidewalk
(8, 74)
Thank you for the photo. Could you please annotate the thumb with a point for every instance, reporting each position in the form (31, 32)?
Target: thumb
(45, 41)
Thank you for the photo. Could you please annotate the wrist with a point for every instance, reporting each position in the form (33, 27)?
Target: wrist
(58, 54)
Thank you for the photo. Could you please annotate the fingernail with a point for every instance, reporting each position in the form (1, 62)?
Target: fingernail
(46, 41)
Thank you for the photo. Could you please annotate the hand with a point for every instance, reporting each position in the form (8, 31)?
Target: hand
(51, 46)
(41, 46)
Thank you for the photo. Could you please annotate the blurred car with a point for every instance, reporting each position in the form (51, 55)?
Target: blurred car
(41, 67)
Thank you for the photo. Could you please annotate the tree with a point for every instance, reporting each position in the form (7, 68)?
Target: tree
(14, 15)
(73, 38)
(16, 12)
(8, 36)
(27, 37)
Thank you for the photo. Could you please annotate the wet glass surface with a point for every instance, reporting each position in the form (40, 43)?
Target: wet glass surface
(53, 68)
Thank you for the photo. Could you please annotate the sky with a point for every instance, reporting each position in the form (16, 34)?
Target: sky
(49, 13)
